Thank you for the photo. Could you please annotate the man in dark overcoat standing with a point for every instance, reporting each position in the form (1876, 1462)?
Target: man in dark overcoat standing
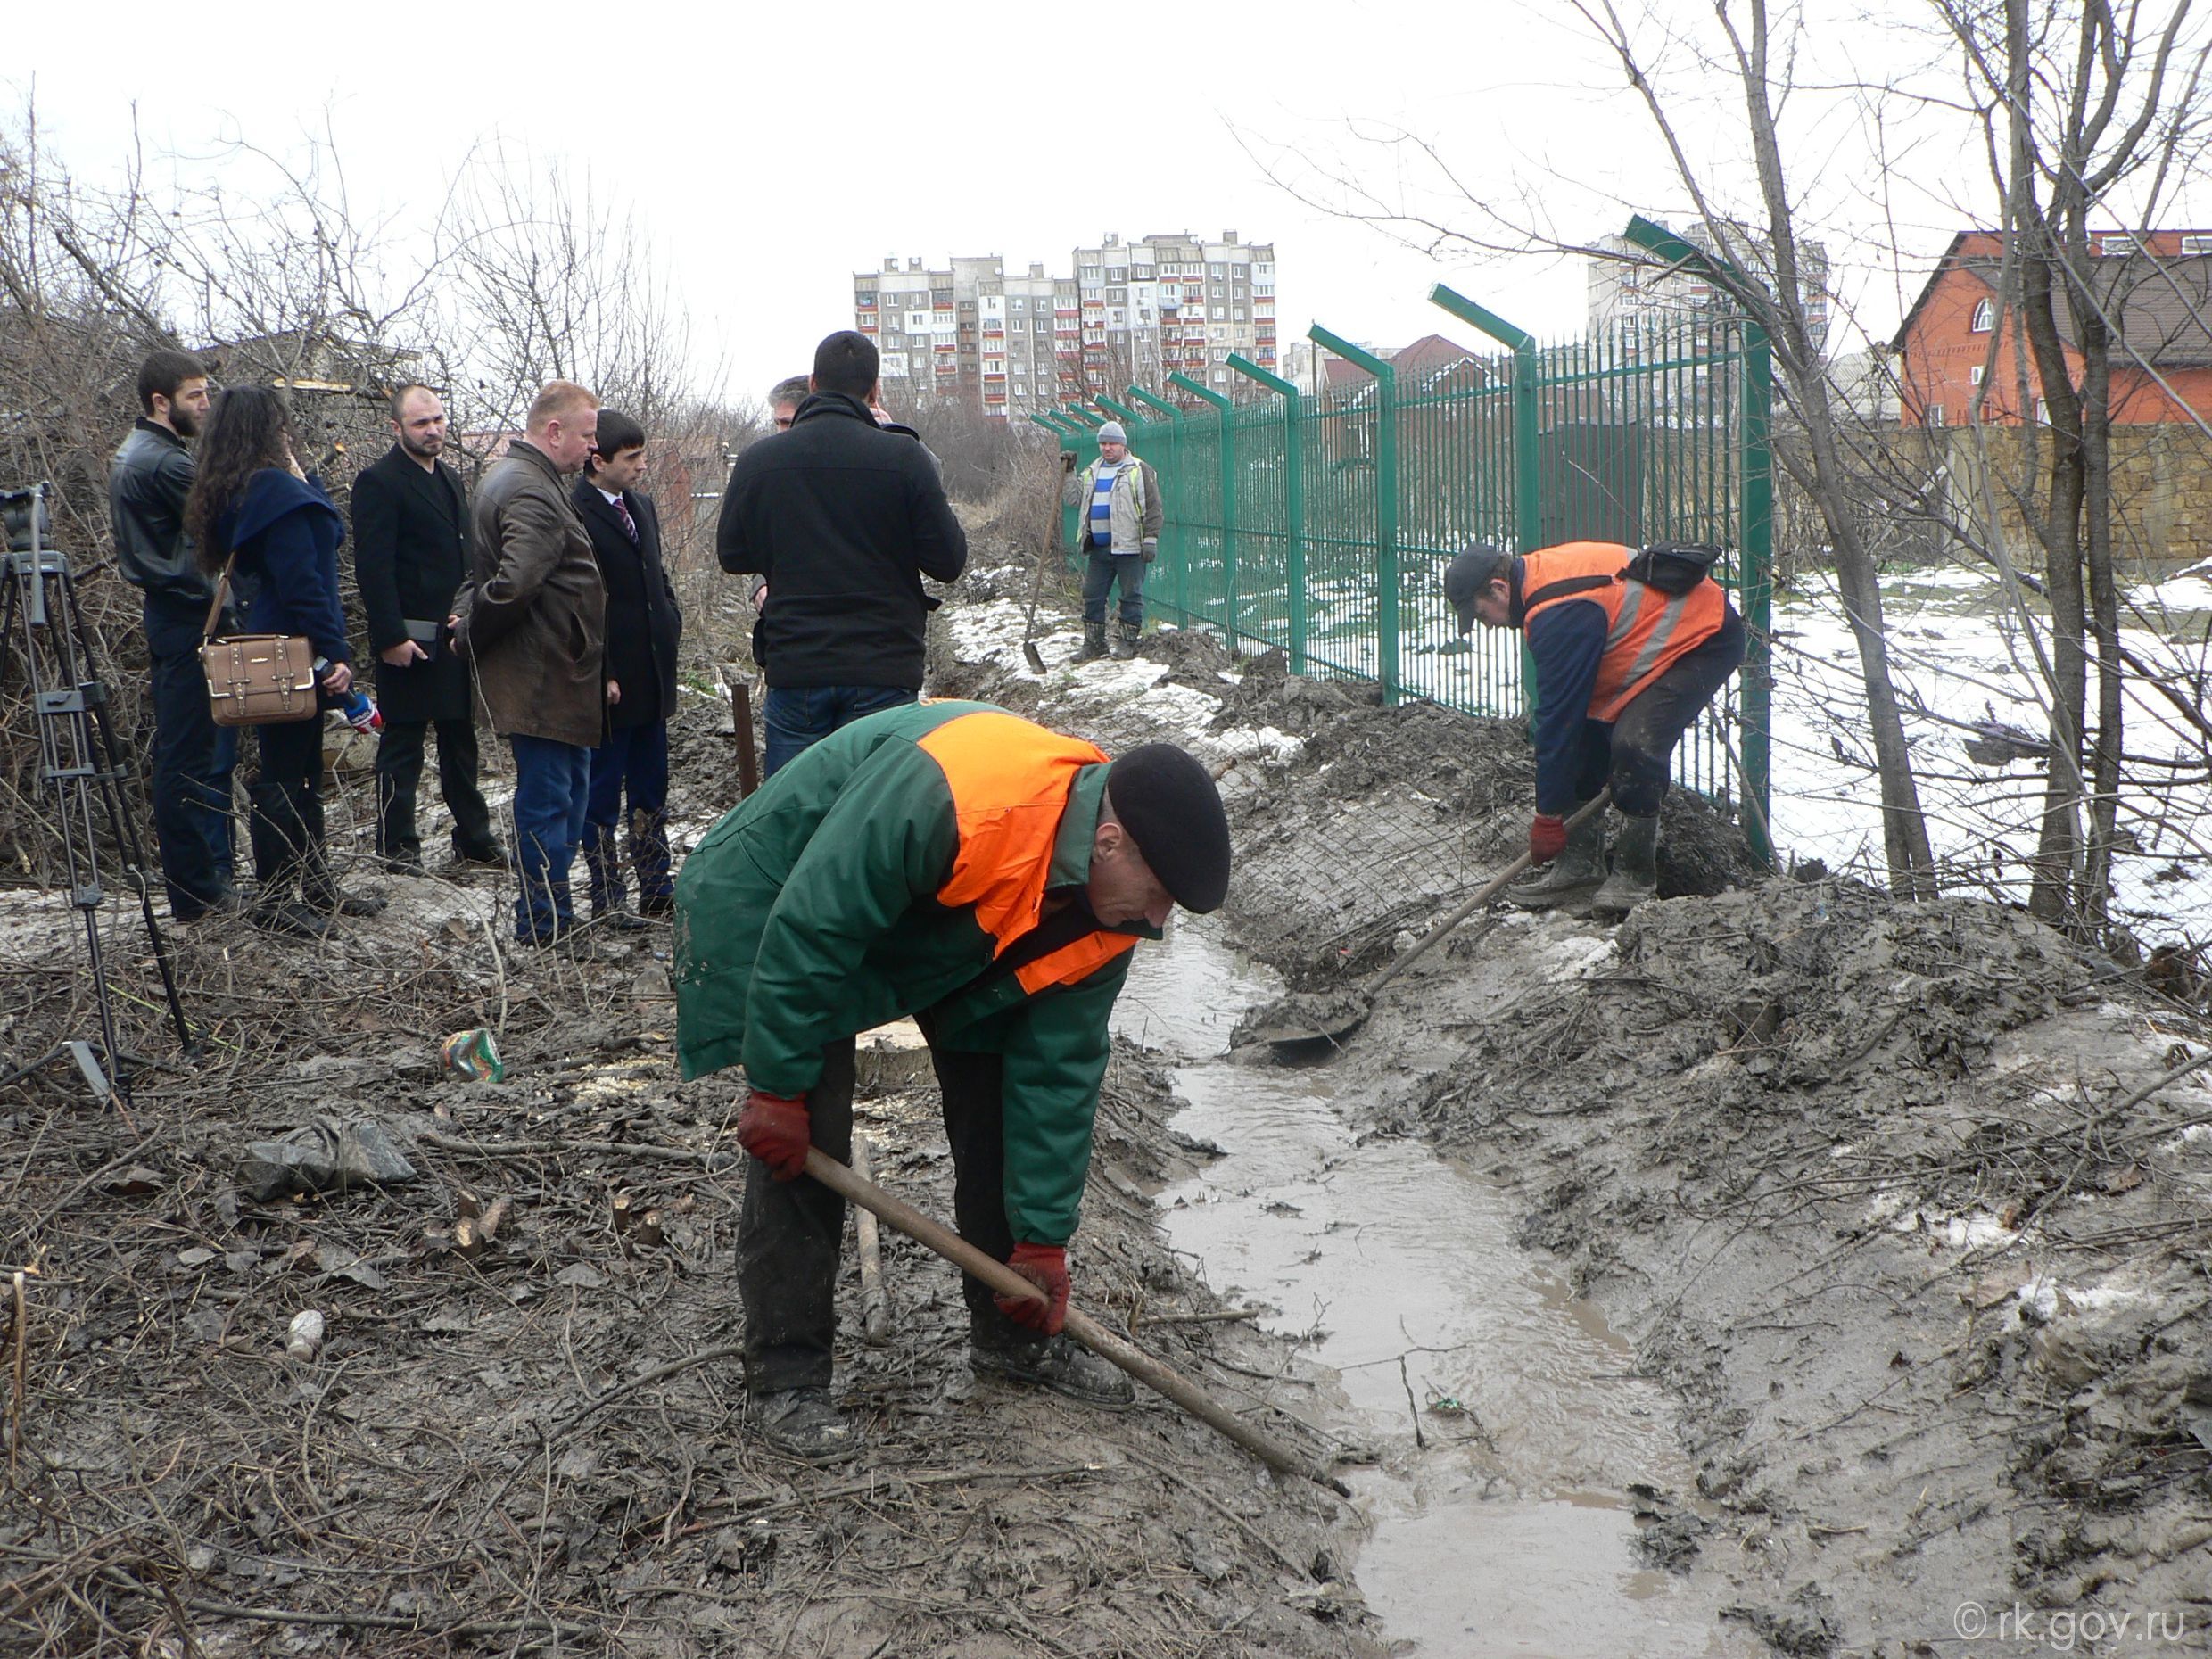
(643, 624)
(410, 553)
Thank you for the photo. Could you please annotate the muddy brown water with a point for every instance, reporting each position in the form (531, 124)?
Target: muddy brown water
(1512, 1529)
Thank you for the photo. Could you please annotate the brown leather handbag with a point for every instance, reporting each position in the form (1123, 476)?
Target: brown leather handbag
(255, 679)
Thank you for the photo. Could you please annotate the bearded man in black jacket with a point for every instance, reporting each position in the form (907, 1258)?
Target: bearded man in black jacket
(842, 519)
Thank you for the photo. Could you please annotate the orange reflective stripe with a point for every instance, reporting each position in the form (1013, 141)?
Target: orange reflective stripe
(1009, 781)
(1071, 962)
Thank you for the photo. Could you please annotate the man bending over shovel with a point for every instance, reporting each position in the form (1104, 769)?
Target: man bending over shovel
(953, 861)
(1629, 646)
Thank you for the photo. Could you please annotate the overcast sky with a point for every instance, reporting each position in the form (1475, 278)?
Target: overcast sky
(770, 152)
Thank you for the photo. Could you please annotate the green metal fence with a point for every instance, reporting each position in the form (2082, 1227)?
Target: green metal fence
(1321, 525)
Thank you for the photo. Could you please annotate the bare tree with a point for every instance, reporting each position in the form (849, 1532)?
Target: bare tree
(2083, 104)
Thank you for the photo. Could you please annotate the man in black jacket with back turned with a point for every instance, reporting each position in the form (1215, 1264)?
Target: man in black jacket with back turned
(410, 552)
(842, 519)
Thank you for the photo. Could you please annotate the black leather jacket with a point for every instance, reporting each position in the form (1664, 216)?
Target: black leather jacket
(147, 483)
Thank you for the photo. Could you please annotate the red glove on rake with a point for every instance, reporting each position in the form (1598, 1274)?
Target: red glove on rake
(1044, 1265)
(775, 1130)
(1548, 838)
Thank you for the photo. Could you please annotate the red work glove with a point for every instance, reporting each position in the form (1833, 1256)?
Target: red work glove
(775, 1131)
(1044, 1265)
(1548, 838)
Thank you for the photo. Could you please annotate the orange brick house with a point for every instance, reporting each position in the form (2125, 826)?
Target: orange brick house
(2155, 285)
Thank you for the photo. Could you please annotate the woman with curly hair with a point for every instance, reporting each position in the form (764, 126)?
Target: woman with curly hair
(252, 501)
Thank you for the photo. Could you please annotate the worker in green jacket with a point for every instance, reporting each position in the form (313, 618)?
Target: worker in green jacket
(953, 861)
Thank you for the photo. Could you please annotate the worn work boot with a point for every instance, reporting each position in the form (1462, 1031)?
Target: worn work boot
(1125, 640)
(1058, 1364)
(802, 1423)
(320, 891)
(1635, 876)
(1093, 642)
(1571, 877)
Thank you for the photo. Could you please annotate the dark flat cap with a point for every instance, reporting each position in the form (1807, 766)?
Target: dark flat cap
(1168, 803)
(1468, 575)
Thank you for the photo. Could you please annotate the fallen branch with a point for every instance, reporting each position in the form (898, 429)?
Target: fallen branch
(541, 1148)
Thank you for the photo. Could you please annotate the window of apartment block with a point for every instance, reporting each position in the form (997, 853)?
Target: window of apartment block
(2116, 246)
(1087, 273)
(1238, 316)
(1974, 376)
(1117, 273)
(1219, 314)
(1117, 296)
(1219, 271)
(1936, 415)
(1217, 291)
(1984, 316)
(2197, 244)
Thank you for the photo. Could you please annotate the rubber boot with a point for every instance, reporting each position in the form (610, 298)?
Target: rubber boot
(1093, 642)
(1635, 876)
(1570, 878)
(1124, 640)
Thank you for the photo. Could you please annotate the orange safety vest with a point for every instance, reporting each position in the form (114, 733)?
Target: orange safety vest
(1646, 631)
(1009, 781)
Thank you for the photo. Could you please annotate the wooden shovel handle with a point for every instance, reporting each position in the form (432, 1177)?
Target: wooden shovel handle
(1104, 1344)
(1474, 901)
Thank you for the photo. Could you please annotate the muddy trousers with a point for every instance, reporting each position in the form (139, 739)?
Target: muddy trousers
(1636, 752)
(791, 1233)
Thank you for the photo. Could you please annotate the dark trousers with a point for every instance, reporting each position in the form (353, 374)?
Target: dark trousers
(1100, 572)
(1636, 752)
(633, 761)
(400, 773)
(791, 1233)
(285, 823)
(798, 715)
(551, 780)
(189, 776)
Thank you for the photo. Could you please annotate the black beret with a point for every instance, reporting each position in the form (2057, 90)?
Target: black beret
(1167, 803)
(1469, 574)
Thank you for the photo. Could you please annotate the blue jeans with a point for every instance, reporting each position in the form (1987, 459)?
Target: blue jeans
(798, 715)
(189, 778)
(552, 782)
(1099, 573)
(634, 758)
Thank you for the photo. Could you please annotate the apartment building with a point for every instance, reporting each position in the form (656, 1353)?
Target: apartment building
(1627, 297)
(1128, 311)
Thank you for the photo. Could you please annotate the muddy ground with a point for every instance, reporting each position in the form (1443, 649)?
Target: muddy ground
(1906, 1205)
(1888, 1197)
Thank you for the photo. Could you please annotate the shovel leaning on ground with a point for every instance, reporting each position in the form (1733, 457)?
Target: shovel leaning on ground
(1314, 1018)
(1151, 1372)
(1029, 652)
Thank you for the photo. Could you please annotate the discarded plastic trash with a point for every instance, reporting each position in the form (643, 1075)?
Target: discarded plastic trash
(322, 1157)
(304, 1341)
(473, 1056)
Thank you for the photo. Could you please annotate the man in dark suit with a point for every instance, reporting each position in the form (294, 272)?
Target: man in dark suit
(643, 625)
(410, 552)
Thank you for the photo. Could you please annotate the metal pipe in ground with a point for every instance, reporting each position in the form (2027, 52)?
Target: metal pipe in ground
(1153, 1374)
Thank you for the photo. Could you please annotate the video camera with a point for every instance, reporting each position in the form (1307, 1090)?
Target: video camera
(18, 507)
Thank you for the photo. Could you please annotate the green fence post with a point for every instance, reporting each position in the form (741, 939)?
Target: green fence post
(1119, 411)
(1294, 500)
(1092, 422)
(1755, 576)
(1223, 410)
(1528, 477)
(1178, 544)
(1385, 502)
(1756, 587)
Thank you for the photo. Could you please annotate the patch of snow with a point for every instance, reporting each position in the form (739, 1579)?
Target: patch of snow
(1261, 742)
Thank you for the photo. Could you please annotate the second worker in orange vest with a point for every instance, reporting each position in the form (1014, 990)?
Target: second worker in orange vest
(1621, 670)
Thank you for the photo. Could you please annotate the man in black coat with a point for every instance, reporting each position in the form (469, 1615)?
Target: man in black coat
(410, 552)
(842, 519)
(643, 625)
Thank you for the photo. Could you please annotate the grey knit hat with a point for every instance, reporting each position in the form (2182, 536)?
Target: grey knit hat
(1111, 433)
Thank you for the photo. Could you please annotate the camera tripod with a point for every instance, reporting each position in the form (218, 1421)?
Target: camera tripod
(78, 757)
